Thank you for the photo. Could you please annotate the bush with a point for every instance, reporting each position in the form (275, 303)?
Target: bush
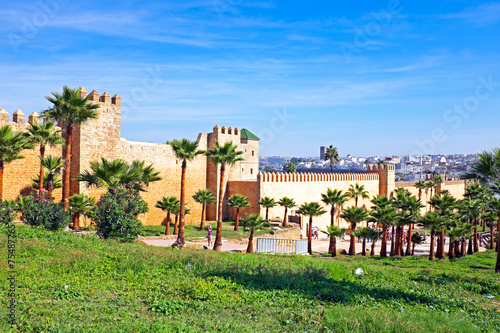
(41, 210)
(7, 212)
(116, 215)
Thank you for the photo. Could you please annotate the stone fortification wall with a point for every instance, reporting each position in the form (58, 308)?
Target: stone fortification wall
(18, 174)
(309, 187)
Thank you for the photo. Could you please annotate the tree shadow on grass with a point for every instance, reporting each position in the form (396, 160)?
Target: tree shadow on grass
(313, 283)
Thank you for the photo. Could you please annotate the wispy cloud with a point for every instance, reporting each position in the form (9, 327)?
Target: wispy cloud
(482, 15)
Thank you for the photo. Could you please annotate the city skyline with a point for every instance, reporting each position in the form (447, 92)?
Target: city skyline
(391, 78)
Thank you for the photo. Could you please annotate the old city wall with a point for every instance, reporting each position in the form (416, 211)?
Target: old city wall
(306, 187)
(101, 138)
(18, 174)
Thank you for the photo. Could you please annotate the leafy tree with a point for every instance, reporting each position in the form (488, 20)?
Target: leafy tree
(12, 143)
(204, 197)
(252, 222)
(354, 215)
(267, 203)
(311, 209)
(238, 202)
(290, 168)
(287, 203)
(70, 109)
(355, 191)
(168, 204)
(186, 151)
(225, 155)
(333, 232)
(81, 204)
(44, 135)
(332, 156)
(335, 198)
(54, 166)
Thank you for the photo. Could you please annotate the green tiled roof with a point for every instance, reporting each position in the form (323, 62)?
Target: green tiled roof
(246, 134)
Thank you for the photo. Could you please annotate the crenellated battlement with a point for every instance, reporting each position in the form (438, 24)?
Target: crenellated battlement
(105, 98)
(226, 130)
(280, 177)
(18, 118)
(381, 167)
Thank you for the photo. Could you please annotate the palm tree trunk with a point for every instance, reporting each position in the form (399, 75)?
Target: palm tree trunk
(383, 250)
(218, 235)
(470, 251)
(50, 184)
(176, 229)
(1, 178)
(67, 169)
(237, 219)
(408, 247)
(267, 214)
(431, 251)
(393, 246)
(498, 232)
(42, 155)
(250, 242)
(458, 254)
(309, 236)
(398, 241)
(372, 252)
(497, 266)
(180, 236)
(476, 240)
(76, 218)
(451, 250)
(463, 246)
(286, 217)
(352, 245)
(332, 238)
(202, 223)
(492, 241)
(441, 242)
(167, 229)
(413, 249)
(363, 251)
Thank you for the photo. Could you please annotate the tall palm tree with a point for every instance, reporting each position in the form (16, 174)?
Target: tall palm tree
(12, 143)
(80, 204)
(70, 109)
(414, 206)
(355, 191)
(354, 215)
(332, 156)
(176, 211)
(367, 233)
(267, 203)
(287, 203)
(334, 198)
(421, 186)
(226, 155)
(54, 165)
(470, 209)
(167, 204)
(333, 232)
(385, 215)
(434, 222)
(44, 135)
(252, 222)
(204, 197)
(186, 151)
(238, 202)
(431, 185)
(311, 209)
(438, 180)
(443, 205)
(490, 219)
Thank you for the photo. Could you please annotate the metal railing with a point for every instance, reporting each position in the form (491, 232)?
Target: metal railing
(281, 246)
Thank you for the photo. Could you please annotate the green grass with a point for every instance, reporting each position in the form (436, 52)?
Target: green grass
(192, 231)
(115, 287)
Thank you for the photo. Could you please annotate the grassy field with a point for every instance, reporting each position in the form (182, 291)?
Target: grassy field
(114, 287)
(193, 232)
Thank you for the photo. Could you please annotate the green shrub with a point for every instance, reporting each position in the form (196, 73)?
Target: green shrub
(7, 212)
(41, 210)
(116, 215)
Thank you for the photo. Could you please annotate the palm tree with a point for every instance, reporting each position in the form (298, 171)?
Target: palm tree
(56, 183)
(355, 191)
(288, 204)
(238, 201)
(366, 233)
(470, 210)
(421, 185)
(434, 222)
(495, 206)
(252, 222)
(267, 203)
(333, 198)
(204, 197)
(385, 215)
(333, 232)
(414, 206)
(438, 180)
(80, 204)
(119, 174)
(176, 211)
(186, 151)
(431, 185)
(225, 155)
(332, 156)
(43, 135)
(54, 166)
(311, 209)
(12, 143)
(490, 219)
(354, 215)
(70, 109)
(487, 167)
(443, 205)
(167, 204)
(416, 239)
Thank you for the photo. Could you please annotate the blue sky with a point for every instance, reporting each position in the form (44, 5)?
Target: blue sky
(371, 77)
